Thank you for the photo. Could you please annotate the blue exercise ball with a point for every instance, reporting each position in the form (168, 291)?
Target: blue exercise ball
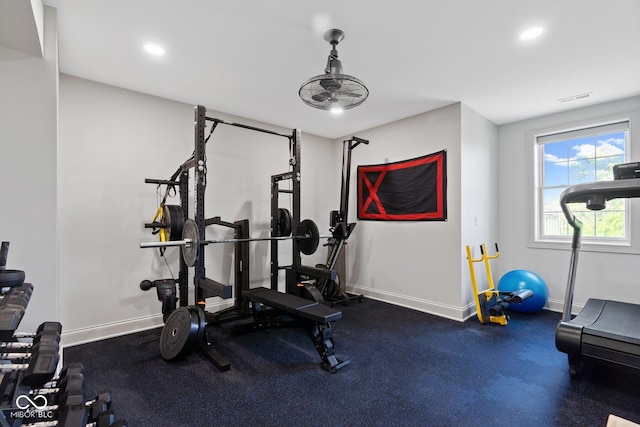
(523, 279)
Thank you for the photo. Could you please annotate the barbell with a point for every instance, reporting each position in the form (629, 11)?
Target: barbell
(307, 233)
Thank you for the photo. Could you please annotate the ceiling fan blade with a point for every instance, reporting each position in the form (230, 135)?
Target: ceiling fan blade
(321, 97)
(352, 94)
(331, 84)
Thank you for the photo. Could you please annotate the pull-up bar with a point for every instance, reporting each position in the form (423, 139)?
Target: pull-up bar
(240, 125)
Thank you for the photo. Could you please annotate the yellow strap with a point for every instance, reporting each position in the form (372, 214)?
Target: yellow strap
(163, 231)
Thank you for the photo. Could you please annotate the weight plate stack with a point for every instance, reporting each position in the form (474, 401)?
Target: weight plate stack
(283, 223)
(180, 333)
(174, 221)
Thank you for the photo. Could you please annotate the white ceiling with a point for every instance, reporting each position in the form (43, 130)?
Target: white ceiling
(249, 57)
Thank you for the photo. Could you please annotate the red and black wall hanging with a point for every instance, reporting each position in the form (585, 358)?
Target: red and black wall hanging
(409, 190)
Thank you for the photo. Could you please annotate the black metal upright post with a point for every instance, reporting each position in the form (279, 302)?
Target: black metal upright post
(242, 267)
(274, 225)
(200, 178)
(296, 178)
(183, 276)
(347, 146)
(346, 172)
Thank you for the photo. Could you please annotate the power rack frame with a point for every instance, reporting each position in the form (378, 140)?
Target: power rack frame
(317, 318)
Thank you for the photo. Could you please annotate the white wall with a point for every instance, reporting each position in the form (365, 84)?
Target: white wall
(110, 140)
(422, 265)
(28, 216)
(479, 198)
(600, 275)
(414, 264)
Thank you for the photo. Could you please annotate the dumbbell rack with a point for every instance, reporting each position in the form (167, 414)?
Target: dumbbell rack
(30, 392)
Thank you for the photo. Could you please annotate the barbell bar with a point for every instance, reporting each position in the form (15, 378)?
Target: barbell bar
(190, 243)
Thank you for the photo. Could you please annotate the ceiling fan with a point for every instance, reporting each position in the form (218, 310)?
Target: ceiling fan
(333, 90)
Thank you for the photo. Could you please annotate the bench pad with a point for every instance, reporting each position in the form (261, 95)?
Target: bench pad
(294, 305)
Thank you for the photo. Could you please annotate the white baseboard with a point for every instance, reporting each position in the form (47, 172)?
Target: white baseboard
(115, 329)
(443, 310)
(557, 305)
(432, 307)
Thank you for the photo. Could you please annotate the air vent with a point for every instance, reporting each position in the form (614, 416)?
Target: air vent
(575, 97)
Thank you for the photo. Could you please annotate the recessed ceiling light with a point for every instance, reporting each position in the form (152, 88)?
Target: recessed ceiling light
(531, 33)
(154, 49)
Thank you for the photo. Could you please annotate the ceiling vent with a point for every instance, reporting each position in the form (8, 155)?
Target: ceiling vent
(575, 97)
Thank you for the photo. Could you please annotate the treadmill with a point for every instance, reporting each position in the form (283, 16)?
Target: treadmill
(604, 331)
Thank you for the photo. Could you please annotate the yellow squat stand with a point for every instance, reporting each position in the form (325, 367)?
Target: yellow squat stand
(489, 307)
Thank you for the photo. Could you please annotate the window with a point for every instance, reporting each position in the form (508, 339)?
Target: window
(575, 157)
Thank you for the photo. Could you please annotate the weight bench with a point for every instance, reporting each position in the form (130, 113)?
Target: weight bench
(315, 317)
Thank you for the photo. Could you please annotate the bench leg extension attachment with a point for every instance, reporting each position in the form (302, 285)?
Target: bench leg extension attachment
(322, 337)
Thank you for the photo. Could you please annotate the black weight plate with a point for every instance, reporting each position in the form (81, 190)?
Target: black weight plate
(202, 328)
(196, 323)
(179, 334)
(174, 220)
(309, 245)
(190, 251)
(283, 225)
(11, 278)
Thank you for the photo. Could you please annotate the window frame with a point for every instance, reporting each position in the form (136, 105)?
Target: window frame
(631, 244)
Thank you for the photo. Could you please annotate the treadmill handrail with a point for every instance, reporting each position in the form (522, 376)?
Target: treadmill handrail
(594, 192)
(595, 195)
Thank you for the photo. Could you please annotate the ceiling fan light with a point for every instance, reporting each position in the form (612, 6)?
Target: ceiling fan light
(531, 33)
(336, 109)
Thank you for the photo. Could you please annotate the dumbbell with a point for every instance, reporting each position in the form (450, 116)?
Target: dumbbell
(70, 385)
(10, 318)
(78, 416)
(43, 353)
(10, 355)
(70, 391)
(45, 326)
(69, 369)
(68, 416)
(16, 294)
(41, 366)
(12, 309)
(108, 419)
(17, 297)
(96, 407)
(43, 338)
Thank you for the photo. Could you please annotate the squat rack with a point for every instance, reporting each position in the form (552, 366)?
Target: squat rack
(317, 318)
(205, 287)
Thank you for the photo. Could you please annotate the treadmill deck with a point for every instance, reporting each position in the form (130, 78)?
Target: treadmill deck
(604, 330)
